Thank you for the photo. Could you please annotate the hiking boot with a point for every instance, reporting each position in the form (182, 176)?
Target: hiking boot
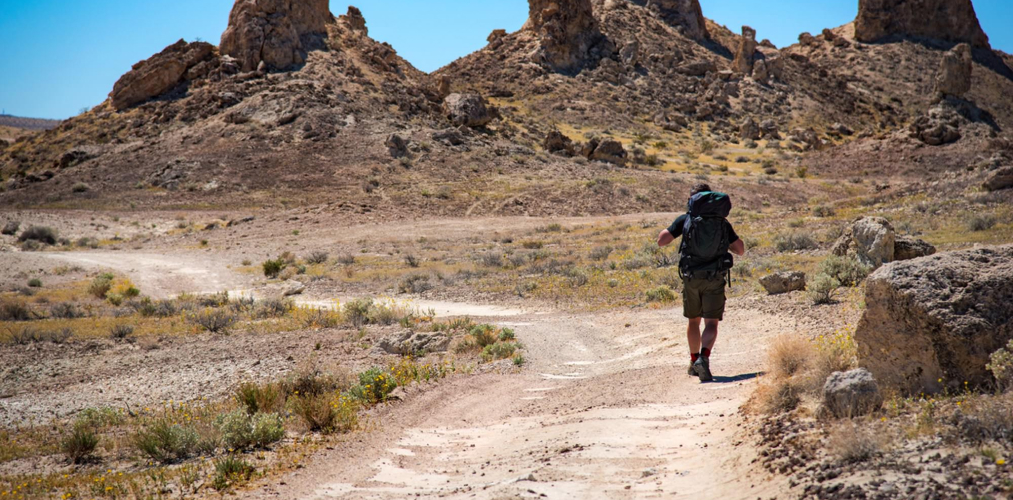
(692, 370)
(702, 367)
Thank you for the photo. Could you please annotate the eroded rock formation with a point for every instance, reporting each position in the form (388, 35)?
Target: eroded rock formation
(682, 13)
(276, 32)
(932, 323)
(160, 73)
(954, 77)
(743, 63)
(949, 20)
(567, 30)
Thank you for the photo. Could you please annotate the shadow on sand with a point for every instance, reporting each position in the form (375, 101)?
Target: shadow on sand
(737, 378)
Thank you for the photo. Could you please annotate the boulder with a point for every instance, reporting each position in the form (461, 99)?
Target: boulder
(829, 35)
(557, 142)
(769, 130)
(783, 282)
(851, 394)
(606, 150)
(10, 228)
(468, 110)
(749, 130)
(630, 53)
(999, 179)
(292, 287)
(947, 20)
(278, 33)
(940, 126)
(932, 323)
(870, 240)
(567, 32)
(906, 248)
(954, 77)
(743, 63)
(760, 72)
(409, 343)
(807, 40)
(697, 68)
(159, 74)
(354, 20)
(496, 36)
(396, 145)
(684, 14)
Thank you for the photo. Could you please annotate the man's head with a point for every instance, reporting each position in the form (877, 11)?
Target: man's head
(699, 188)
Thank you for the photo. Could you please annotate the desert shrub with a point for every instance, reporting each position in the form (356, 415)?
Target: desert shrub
(240, 430)
(660, 294)
(325, 414)
(779, 396)
(600, 253)
(1001, 366)
(272, 268)
(820, 290)
(357, 311)
(987, 418)
(120, 332)
(346, 259)
(374, 386)
(794, 241)
(101, 285)
(823, 211)
(213, 320)
(317, 258)
(532, 244)
(846, 270)
(414, 283)
(577, 278)
(852, 443)
(411, 260)
(790, 355)
(491, 259)
(80, 444)
(312, 317)
(217, 299)
(10, 228)
(240, 305)
(30, 335)
(14, 310)
(35, 283)
(638, 261)
(231, 470)
(166, 442)
(41, 234)
(256, 398)
(499, 350)
(507, 334)
(272, 308)
(65, 310)
(484, 335)
(981, 222)
(80, 187)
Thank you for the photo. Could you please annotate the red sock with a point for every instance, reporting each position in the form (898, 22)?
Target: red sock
(705, 352)
(694, 357)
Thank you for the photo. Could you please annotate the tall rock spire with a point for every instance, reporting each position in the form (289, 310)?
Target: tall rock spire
(682, 13)
(567, 29)
(277, 32)
(948, 20)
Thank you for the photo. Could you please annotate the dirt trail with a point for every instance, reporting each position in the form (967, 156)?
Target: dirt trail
(602, 409)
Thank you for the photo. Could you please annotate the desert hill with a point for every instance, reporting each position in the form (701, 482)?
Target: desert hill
(596, 106)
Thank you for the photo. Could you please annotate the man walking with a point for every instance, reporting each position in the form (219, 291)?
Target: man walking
(704, 264)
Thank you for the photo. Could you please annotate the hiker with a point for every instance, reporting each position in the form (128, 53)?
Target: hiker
(704, 264)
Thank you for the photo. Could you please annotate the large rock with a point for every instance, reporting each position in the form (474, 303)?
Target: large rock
(933, 322)
(954, 77)
(743, 63)
(783, 282)
(557, 142)
(870, 240)
(567, 31)
(409, 343)
(906, 248)
(685, 14)
(851, 394)
(1000, 179)
(467, 110)
(606, 150)
(749, 130)
(697, 68)
(949, 20)
(159, 74)
(941, 125)
(278, 32)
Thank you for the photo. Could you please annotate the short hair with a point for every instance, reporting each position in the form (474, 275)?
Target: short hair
(699, 188)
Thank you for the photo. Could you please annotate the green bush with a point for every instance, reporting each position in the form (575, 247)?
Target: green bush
(981, 222)
(165, 442)
(660, 294)
(823, 211)
(42, 234)
(80, 445)
(794, 241)
(846, 270)
(374, 386)
(499, 350)
(231, 470)
(507, 334)
(484, 335)
(256, 398)
(35, 283)
(1001, 366)
(120, 332)
(240, 431)
(213, 320)
(820, 290)
(101, 285)
(325, 414)
(14, 310)
(272, 268)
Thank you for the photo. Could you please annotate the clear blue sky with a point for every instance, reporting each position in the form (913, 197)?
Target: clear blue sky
(62, 55)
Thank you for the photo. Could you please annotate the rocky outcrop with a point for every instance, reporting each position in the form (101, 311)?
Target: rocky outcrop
(397, 145)
(954, 77)
(159, 74)
(409, 343)
(684, 14)
(567, 31)
(749, 130)
(851, 394)
(948, 20)
(354, 20)
(932, 323)
(941, 125)
(467, 110)
(278, 33)
(606, 150)
(783, 282)
(870, 240)
(907, 248)
(1000, 179)
(743, 63)
(557, 142)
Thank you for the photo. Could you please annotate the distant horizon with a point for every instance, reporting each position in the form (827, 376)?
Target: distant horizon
(92, 45)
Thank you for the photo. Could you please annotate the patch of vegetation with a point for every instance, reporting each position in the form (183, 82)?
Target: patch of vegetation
(213, 320)
(80, 444)
(981, 222)
(41, 234)
(794, 241)
(820, 289)
(317, 258)
(272, 268)
(847, 271)
(660, 294)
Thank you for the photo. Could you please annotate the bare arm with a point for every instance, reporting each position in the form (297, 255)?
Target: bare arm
(665, 238)
(738, 247)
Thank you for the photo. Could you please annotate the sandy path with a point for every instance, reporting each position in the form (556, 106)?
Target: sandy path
(603, 409)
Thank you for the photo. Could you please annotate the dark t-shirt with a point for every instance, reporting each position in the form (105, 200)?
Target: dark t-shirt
(676, 228)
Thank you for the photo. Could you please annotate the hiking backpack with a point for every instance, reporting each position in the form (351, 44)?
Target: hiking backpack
(705, 236)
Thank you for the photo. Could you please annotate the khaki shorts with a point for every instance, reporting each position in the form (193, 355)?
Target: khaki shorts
(703, 298)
